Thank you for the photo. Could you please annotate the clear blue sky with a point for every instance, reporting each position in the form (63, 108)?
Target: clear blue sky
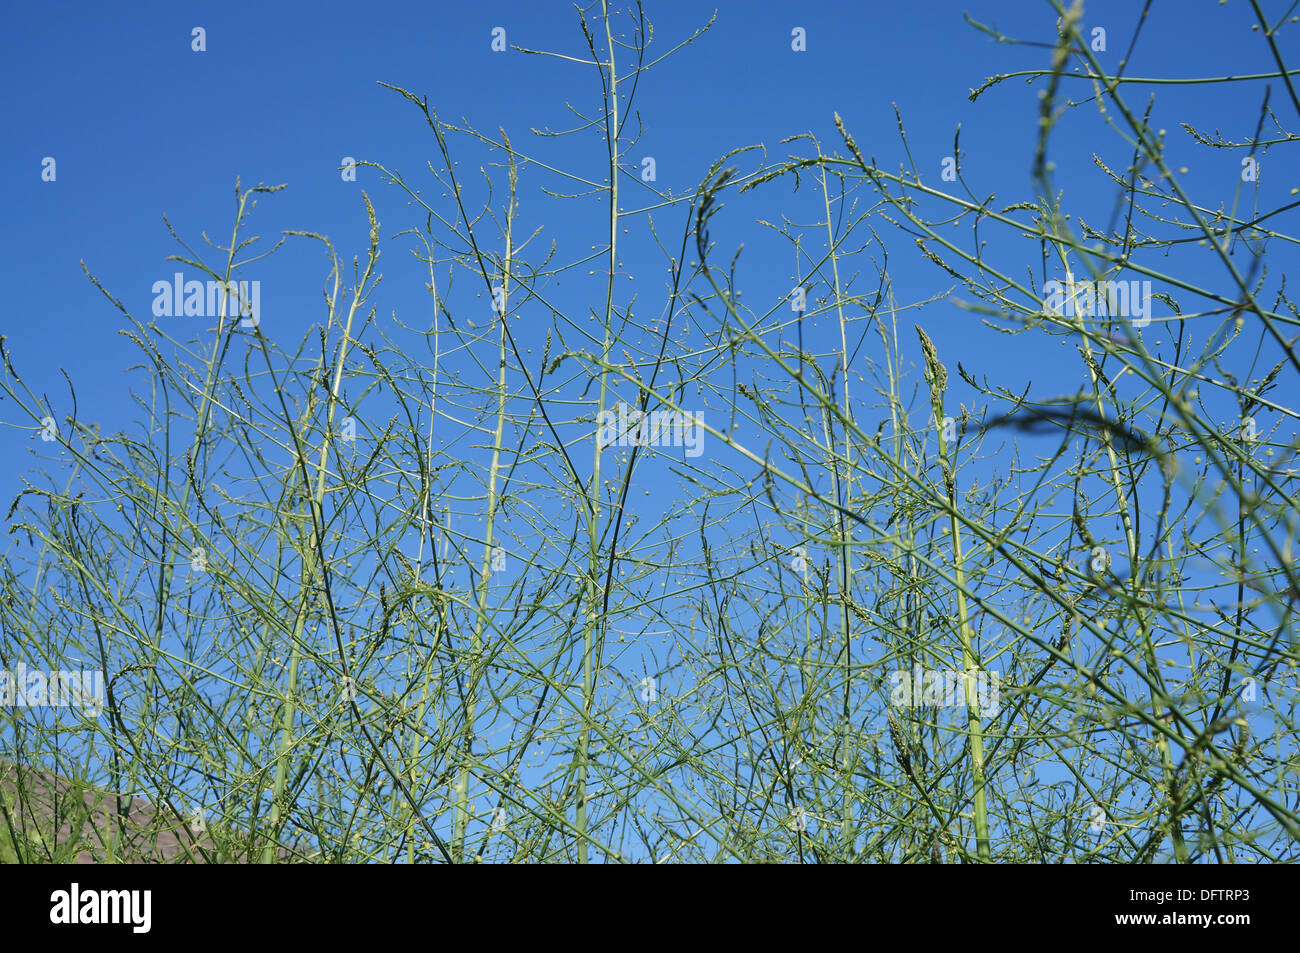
(142, 126)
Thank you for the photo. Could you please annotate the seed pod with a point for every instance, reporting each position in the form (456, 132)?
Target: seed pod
(900, 749)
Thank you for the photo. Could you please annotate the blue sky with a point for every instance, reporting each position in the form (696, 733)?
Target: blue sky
(141, 126)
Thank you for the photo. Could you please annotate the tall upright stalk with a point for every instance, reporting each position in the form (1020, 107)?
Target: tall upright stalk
(593, 594)
(477, 662)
